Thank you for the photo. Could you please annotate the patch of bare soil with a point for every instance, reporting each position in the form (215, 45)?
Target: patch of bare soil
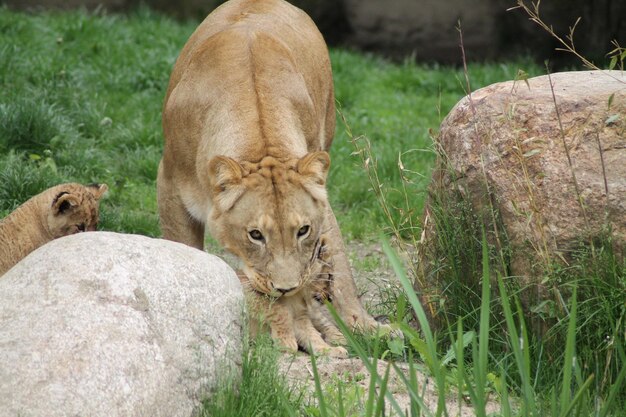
(374, 278)
(299, 373)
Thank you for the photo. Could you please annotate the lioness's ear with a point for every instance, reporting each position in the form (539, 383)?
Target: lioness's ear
(63, 202)
(225, 175)
(97, 190)
(314, 168)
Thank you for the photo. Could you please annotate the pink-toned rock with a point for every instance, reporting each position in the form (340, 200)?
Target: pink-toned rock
(556, 179)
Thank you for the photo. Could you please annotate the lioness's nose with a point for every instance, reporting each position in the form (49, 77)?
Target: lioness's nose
(285, 290)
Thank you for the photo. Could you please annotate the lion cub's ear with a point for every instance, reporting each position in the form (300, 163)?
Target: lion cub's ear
(97, 190)
(225, 175)
(314, 168)
(63, 202)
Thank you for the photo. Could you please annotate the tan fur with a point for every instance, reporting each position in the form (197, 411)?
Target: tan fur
(248, 119)
(59, 211)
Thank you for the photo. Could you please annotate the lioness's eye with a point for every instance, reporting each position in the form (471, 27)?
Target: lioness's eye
(256, 235)
(304, 230)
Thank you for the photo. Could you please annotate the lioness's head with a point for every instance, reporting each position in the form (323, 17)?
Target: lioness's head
(271, 215)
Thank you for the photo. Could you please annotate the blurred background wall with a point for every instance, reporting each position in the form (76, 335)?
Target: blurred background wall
(424, 29)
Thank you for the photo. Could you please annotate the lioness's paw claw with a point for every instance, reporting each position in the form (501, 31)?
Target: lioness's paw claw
(337, 340)
(289, 346)
(334, 352)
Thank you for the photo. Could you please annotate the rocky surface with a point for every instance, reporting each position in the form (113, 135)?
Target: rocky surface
(103, 324)
(549, 155)
(425, 29)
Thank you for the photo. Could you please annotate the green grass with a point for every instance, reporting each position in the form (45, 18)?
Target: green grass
(395, 106)
(260, 390)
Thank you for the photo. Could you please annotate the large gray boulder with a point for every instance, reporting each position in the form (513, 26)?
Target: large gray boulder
(105, 324)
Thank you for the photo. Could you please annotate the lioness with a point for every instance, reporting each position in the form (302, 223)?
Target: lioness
(248, 118)
(58, 211)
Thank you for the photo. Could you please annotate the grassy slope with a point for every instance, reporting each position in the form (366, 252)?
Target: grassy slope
(80, 100)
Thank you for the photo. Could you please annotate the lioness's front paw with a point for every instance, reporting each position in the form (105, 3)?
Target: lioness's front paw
(331, 351)
(335, 337)
(336, 352)
(362, 322)
(287, 344)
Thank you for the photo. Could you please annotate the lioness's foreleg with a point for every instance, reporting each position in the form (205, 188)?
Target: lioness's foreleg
(344, 292)
(324, 325)
(176, 222)
(280, 320)
(311, 340)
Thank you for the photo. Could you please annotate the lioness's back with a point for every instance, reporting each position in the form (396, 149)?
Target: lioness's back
(263, 53)
(278, 18)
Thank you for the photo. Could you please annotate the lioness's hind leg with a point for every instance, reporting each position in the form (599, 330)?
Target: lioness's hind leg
(176, 222)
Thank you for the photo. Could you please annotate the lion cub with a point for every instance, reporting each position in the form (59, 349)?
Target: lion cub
(59, 211)
(299, 320)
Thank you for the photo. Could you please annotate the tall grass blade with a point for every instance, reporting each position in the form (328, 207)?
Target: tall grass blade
(321, 401)
(380, 403)
(369, 363)
(569, 407)
(569, 361)
(415, 406)
(438, 370)
(480, 368)
(518, 345)
(616, 389)
(524, 341)
(460, 360)
(340, 406)
(505, 406)
(371, 395)
(416, 398)
(287, 406)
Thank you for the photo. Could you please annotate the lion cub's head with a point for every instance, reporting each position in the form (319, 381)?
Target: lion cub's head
(74, 208)
(271, 215)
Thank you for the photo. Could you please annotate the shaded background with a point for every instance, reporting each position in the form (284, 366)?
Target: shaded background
(425, 29)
